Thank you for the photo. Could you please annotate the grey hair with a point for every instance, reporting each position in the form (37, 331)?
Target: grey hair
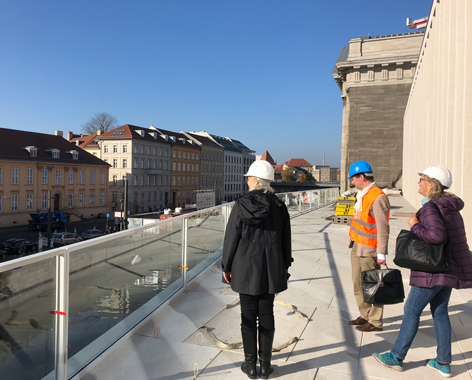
(438, 189)
(262, 184)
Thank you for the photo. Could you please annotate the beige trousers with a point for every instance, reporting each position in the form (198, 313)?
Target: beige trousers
(372, 313)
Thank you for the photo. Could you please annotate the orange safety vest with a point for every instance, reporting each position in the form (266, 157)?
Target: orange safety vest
(363, 228)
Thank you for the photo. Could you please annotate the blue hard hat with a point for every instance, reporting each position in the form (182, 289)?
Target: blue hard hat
(360, 167)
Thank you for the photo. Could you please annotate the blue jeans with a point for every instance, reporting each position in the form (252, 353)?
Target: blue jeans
(438, 298)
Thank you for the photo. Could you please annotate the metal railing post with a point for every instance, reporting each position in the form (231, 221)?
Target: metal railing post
(299, 202)
(184, 252)
(61, 316)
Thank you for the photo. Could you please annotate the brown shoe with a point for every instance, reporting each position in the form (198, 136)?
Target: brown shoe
(359, 321)
(368, 327)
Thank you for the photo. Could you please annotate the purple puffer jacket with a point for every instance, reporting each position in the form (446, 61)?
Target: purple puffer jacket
(431, 229)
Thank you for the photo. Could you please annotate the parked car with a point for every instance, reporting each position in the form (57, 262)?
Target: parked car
(13, 246)
(60, 239)
(90, 234)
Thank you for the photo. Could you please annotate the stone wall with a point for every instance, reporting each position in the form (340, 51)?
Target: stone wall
(438, 117)
(376, 130)
(375, 76)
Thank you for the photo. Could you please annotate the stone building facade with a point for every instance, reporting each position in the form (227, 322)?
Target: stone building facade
(212, 165)
(143, 156)
(186, 156)
(374, 75)
(438, 116)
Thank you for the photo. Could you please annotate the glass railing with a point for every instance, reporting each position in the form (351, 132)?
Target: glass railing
(61, 309)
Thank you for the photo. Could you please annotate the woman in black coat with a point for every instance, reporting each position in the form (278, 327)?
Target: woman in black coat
(256, 255)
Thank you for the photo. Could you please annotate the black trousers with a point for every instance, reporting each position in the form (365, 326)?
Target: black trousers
(257, 308)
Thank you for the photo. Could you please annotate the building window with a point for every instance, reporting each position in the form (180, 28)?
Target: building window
(14, 202)
(173, 181)
(180, 154)
(45, 176)
(125, 163)
(1, 176)
(105, 149)
(102, 197)
(102, 177)
(44, 200)
(70, 200)
(58, 176)
(115, 179)
(29, 201)
(196, 156)
(29, 176)
(92, 199)
(174, 166)
(82, 199)
(178, 181)
(142, 163)
(173, 153)
(92, 177)
(125, 148)
(55, 154)
(71, 177)
(196, 168)
(115, 162)
(15, 175)
(115, 148)
(142, 181)
(82, 177)
(135, 180)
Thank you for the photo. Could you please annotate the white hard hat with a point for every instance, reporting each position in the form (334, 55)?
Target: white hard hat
(440, 173)
(261, 169)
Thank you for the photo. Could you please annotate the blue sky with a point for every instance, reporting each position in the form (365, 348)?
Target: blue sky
(255, 70)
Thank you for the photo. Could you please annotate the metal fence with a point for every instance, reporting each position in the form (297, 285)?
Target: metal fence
(61, 309)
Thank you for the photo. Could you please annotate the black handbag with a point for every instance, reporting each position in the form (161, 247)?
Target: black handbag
(383, 286)
(413, 253)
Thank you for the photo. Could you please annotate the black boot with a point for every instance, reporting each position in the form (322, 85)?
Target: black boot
(266, 338)
(250, 353)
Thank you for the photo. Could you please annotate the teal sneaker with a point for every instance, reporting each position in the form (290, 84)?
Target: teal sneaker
(444, 370)
(389, 360)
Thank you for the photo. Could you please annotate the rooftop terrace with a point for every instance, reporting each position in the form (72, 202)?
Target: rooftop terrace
(326, 346)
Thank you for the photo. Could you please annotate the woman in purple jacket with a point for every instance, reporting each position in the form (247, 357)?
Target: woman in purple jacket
(434, 288)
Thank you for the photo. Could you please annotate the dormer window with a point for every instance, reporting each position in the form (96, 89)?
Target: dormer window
(54, 152)
(74, 154)
(33, 151)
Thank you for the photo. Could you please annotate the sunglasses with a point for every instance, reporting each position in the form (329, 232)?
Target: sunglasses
(423, 179)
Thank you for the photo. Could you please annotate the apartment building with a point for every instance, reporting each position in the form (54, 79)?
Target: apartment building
(237, 159)
(186, 156)
(211, 165)
(143, 156)
(32, 164)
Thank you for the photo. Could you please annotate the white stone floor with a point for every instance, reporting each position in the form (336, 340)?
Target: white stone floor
(320, 287)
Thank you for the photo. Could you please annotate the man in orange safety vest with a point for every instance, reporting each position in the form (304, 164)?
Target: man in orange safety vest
(369, 233)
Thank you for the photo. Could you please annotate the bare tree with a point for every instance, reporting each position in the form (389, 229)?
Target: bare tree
(102, 122)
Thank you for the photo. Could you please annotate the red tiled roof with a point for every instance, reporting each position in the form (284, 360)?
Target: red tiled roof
(84, 141)
(267, 157)
(298, 162)
(279, 167)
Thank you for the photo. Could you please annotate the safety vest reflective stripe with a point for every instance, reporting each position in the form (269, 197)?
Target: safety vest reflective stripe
(363, 227)
(365, 224)
(364, 234)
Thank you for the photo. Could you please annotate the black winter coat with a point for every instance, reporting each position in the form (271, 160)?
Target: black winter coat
(257, 248)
